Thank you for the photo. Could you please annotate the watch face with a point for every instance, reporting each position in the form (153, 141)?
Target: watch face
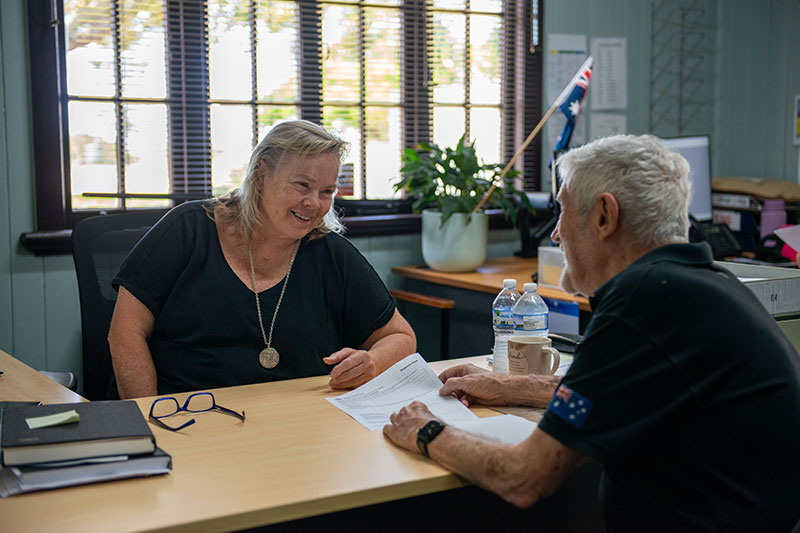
(427, 433)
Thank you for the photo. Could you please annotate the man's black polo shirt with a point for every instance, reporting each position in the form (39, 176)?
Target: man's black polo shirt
(688, 393)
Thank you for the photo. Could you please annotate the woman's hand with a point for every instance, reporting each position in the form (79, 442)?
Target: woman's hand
(386, 346)
(353, 368)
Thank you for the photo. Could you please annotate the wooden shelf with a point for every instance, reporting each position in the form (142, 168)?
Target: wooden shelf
(489, 278)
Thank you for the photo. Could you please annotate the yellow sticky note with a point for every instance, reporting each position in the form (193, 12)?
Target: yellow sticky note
(67, 417)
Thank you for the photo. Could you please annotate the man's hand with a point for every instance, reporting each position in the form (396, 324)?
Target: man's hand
(406, 423)
(462, 370)
(353, 368)
(471, 384)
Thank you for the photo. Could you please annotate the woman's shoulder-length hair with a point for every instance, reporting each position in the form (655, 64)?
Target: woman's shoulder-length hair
(297, 138)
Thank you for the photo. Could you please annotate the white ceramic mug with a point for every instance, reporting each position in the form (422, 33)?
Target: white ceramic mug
(532, 355)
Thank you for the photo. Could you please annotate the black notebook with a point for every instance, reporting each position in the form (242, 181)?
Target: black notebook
(105, 429)
(19, 479)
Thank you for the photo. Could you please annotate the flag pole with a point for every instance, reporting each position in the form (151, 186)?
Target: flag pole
(558, 101)
(516, 156)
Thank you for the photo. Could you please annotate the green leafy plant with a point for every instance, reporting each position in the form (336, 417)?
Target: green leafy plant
(454, 181)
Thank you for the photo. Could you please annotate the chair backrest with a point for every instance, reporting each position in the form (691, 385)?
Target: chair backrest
(99, 245)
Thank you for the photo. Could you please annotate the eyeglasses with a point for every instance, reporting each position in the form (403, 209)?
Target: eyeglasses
(199, 402)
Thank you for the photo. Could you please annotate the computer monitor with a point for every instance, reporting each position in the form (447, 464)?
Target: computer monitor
(697, 151)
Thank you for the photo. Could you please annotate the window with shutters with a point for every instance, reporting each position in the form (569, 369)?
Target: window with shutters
(139, 104)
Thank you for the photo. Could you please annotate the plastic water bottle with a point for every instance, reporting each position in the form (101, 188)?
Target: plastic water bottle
(503, 324)
(531, 315)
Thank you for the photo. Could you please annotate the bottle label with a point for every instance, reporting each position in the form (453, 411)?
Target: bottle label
(532, 322)
(503, 318)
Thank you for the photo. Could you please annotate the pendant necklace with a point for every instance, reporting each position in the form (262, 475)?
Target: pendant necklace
(269, 357)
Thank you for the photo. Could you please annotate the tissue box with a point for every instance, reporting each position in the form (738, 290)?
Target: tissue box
(551, 263)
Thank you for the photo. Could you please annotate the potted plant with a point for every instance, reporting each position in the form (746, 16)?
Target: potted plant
(448, 184)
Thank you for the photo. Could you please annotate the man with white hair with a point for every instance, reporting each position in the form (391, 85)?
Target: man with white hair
(684, 389)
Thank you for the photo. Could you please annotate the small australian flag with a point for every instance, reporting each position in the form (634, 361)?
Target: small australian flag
(570, 406)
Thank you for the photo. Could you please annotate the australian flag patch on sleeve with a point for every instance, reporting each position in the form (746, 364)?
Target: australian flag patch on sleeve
(570, 406)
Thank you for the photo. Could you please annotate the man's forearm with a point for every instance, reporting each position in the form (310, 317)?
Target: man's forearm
(520, 474)
(532, 390)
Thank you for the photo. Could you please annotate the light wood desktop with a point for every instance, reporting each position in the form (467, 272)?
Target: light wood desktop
(20, 383)
(488, 278)
(295, 456)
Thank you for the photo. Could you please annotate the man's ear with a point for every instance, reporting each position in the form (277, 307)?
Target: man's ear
(606, 216)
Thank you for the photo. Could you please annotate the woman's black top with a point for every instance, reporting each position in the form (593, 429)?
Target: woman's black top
(206, 332)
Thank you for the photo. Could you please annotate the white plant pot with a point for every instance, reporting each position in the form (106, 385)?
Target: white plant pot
(456, 246)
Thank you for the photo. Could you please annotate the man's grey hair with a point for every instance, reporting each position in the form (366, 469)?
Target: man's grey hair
(287, 140)
(650, 183)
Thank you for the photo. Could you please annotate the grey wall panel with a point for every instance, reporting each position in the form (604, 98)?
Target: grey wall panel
(757, 80)
(27, 276)
(62, 316)
(6, 336)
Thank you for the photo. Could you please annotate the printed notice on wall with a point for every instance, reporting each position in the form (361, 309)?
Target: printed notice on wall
(565, 55)
(797, 119)
(796, 128)
(605, 124)
(609, 88)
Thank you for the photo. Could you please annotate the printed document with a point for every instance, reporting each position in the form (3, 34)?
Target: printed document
(408, 380)
(412, 379)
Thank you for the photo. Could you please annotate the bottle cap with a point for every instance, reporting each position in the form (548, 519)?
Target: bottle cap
(530, 287)
(509, 283)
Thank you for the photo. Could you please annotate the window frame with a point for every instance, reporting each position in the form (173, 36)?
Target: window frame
(521, 109)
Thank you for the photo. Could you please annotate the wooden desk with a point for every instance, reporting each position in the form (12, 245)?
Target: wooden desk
(489, 278)
(21, 383)
(295, 456)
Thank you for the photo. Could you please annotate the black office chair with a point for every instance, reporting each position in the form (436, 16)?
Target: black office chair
(99, 245)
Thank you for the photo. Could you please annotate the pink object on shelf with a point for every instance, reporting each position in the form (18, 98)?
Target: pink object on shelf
(773, 216)
(787, 251)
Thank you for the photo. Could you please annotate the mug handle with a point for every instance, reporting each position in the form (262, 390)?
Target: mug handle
(556, 358)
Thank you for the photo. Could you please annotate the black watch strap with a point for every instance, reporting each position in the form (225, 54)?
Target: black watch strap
(426, 434)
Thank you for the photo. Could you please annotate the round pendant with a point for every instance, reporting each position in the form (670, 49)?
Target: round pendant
(268, 358)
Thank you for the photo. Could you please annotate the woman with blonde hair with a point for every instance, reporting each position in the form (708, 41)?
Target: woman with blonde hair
(258, 285)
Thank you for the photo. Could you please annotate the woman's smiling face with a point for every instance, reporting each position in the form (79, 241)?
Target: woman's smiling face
(298, 194)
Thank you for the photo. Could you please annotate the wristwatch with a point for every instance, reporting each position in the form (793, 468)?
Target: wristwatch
(426, 434)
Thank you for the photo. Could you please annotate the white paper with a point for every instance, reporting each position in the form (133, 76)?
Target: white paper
(408, 380)
(565, 55)
(510, 429)
(790, 236)
(749, 280)
(605, 124)
(609, 86)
